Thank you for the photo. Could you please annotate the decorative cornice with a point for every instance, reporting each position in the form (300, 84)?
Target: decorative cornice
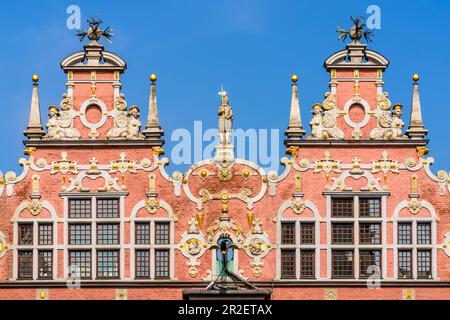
(91, 143)
(201, 284)
(355, 143)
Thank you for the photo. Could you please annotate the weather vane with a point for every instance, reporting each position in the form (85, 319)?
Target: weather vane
(94, 33)
(356, 32)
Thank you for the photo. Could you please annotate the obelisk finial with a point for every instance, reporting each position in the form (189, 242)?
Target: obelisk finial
(416, 129)
(294, 130)
(153, 129)
(34, 129)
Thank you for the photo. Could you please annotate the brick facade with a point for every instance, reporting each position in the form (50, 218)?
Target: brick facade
(198, 203)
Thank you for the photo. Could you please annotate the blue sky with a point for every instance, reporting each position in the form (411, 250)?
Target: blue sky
(251, 47)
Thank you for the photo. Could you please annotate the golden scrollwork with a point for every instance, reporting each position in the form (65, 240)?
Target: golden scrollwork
(422, 151)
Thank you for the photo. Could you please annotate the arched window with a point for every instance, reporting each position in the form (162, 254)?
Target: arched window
(152, 243)
(35, 237)
(298, 240)
(415, 255)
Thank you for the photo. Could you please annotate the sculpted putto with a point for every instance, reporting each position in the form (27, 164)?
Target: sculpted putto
(66, 119)
(323, 123)
(60, 123)
(120, 129)
(126, 124)
(134, 124)
(53, 130)
(390, 125)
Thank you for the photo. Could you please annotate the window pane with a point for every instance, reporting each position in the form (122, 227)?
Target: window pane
(342, 233)
(342, 207)
(288, 233)
(25, 264)
(143, 233)
(45, 264)
(142, 263)
(307, 233)
(369, 262)
(369, 207)
(307, 264)
(107, 233)
(404, 264)
(80, 263)
(162, 233)
(25, 234)
(404, 233)
(161, 263)
(288, 264)
(369, 233)
(424, 264)
(108, 264)
(79, 234)
(108, 208)
(342, 261)
(79, 208)
(45, 234)
(424, 233)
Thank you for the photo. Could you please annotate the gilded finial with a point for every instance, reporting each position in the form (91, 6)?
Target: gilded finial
(294, 78)
(35, 78)
(416, 77)
(153, 77)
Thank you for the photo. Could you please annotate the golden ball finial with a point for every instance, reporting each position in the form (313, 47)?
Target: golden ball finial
(153, 77)
(415, 77)
(294, 78)
(35, 77)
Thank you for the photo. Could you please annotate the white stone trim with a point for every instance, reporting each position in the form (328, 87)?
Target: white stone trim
(366, 108)
(298, 246)
(152, 246)
(414, 246)
(35, 247)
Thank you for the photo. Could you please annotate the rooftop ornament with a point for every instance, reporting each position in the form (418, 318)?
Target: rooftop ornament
(356, 32)
(94, 33)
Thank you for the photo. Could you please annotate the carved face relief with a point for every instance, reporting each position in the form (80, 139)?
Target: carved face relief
(35, 207)
(414, 206)
(152, 206)
(298, 206)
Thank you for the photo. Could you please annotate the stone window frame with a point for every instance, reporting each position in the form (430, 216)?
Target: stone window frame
(152, 246)
(298, 246)
(94, 221)
(35, 247)
(415, 246)
(356, 219)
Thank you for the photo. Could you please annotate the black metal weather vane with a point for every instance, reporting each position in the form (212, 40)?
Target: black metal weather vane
(94, 33)
(356, 32)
